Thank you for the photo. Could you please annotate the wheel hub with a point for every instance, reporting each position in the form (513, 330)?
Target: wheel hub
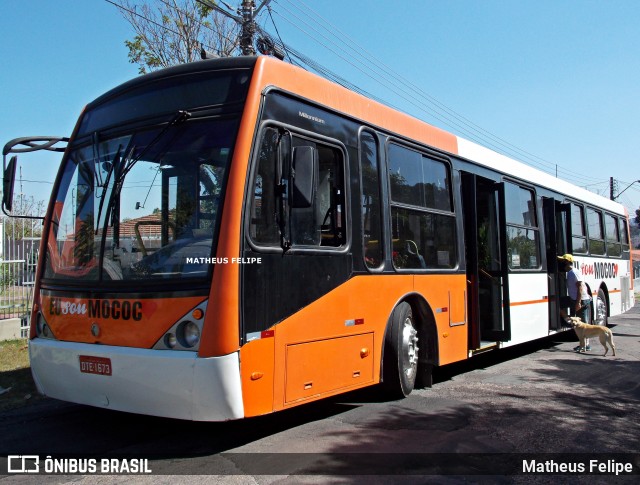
(409, 348)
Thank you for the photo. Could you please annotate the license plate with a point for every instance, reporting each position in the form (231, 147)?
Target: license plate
(95, 365)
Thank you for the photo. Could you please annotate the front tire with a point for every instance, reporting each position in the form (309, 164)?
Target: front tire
(401, 352)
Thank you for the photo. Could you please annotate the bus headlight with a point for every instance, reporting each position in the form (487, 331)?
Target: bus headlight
(40, 324)
(170, 340)
(188, 334)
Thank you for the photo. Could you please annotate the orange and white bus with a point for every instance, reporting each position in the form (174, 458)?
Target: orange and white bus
(234, 237)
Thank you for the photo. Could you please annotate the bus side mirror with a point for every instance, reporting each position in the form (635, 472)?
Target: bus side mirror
(304, 177)
(7, 184)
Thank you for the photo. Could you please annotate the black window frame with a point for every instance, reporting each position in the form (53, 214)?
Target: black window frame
(379, 173)
(623, 229)
(250, 194)
(585, 234)
(422, 209)
(594, 241)
(612, 242)
(535, 228)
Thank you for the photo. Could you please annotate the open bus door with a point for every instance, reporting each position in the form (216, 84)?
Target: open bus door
(557, 228)
(487, 267)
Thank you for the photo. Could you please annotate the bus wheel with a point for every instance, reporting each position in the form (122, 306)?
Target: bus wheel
(601, 309)
(401, 352)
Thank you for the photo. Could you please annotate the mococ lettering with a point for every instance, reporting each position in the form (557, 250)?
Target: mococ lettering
(114, 309)
(606, 270)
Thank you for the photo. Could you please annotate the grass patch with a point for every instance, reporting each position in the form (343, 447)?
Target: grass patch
(16, 383)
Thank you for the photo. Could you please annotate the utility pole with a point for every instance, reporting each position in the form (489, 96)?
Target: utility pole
(620, 193)
(612, 189)
(248, 28)
(247, 12)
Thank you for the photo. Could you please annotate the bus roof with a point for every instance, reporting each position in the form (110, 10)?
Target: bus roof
(489, 158)
(270, 72)
(296, 80)
(175, 71)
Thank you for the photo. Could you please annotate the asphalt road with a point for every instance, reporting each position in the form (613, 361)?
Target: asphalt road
(520, 402)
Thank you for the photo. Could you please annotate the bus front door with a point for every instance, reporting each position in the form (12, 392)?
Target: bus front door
(487, 268)
(557, 228)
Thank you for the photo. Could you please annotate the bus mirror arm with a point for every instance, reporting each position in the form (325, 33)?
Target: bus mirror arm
(23, 145)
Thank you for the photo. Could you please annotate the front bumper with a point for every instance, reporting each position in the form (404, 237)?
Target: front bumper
(165, 383)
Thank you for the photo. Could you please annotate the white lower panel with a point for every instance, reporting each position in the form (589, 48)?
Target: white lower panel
(529, 307)
(155, 382)
(528, 323)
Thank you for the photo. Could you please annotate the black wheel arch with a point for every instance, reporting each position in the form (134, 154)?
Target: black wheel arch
(428, 353)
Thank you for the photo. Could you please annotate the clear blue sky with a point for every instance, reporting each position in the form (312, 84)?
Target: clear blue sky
(559, 79)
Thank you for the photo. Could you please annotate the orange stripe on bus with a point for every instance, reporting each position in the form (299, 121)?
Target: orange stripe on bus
(531, 302)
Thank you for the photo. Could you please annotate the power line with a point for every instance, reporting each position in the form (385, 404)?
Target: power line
(276, 28)
(37, 181)
(463, 124)
(437, 109)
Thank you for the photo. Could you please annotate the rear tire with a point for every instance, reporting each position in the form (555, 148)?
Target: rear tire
(600, 313)
(401, 352)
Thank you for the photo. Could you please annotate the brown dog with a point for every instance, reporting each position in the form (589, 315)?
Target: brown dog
(584, 331)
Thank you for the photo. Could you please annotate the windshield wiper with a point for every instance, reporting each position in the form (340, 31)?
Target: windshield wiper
(180, 117)
(114, 164)
(122, 169)
(127, 164)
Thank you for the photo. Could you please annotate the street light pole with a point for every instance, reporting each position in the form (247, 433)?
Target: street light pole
(620, 193)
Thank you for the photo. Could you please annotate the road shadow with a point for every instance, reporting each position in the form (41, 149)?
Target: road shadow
(57, 428)
(588, 410)
(18, 389)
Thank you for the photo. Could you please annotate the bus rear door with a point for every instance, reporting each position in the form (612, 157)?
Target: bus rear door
(557, 228)
(487, 268)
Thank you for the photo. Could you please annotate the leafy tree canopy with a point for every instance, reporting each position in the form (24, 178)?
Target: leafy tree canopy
(170, 32)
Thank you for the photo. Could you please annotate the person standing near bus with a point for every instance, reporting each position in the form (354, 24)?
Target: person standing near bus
(580, 304)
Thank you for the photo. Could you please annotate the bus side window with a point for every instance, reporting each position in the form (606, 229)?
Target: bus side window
(322, 224)
(614, 247)
(371, 210)
(523, 235)
(422, 217)
(596, 232)
(578, 229)
(624, 234)
(263, 227)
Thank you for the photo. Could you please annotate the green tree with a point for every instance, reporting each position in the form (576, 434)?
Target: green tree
(170, 32)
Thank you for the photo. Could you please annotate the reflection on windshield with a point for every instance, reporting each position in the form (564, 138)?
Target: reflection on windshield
(140, 206)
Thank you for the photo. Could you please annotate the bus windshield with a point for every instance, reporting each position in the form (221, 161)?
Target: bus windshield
(142, 205)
